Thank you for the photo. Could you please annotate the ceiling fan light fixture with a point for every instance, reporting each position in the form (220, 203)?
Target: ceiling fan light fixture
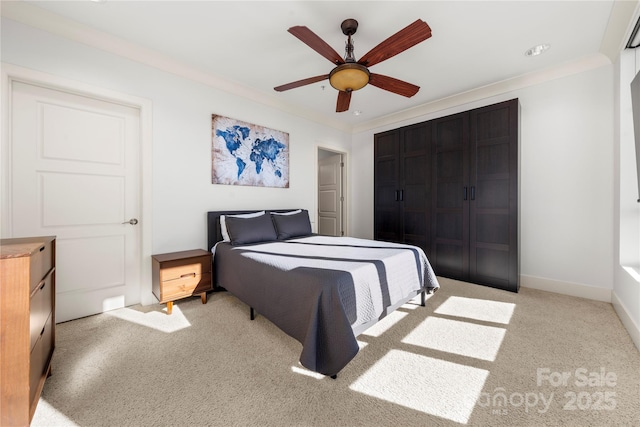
(349, 77)
(349, 74)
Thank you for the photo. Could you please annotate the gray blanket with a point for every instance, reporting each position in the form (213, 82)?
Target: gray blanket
(317, 289)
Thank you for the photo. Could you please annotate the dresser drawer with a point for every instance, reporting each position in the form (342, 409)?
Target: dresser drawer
(41, 263)
(41, 307)
(185, 286)
(40, 356)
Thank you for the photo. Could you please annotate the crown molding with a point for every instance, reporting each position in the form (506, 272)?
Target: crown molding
(624, 14)
(587, 63)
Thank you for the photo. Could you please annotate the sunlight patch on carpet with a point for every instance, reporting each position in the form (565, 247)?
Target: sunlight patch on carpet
(478, 309)
(45, 411)
(158, 320)
(362, 344)
(308, 373)
(463, 338)
(433, 386)
(385, 324)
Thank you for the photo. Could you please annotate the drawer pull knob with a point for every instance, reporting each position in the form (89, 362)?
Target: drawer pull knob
(188, 275)
(42, 331)
(41, 284)
(42, 249)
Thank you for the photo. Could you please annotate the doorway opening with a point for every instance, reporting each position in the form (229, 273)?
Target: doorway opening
(331, 192)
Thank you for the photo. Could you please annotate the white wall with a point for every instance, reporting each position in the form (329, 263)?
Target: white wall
(567, 152)
(626, 285)
(181, 185)
(566, 185)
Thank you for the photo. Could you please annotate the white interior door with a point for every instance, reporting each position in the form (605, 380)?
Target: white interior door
(330, 197)
(75, 174)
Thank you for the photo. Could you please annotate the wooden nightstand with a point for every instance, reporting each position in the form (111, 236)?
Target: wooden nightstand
(179, 275)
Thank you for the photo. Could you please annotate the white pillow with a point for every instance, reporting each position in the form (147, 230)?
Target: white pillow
(223, 223)
(287, 213)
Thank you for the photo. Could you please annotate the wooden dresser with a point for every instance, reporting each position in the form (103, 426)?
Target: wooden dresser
(27, 324)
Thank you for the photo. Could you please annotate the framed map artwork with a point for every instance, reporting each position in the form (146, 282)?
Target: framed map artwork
(247, 154)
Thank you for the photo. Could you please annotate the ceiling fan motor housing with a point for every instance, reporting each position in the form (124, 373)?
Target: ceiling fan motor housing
(349, 27)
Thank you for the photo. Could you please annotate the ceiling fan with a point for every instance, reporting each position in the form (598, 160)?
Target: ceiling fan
(350, 75)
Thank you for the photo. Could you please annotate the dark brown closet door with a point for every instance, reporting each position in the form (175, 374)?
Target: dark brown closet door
(386, 182)
(415, 189)
(493, 234)
(450, 186)
(451, 193)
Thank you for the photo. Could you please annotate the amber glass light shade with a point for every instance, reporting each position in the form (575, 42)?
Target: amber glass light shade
(349, 77)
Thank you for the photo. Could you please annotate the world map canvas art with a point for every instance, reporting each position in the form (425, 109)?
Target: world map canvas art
(248, 154)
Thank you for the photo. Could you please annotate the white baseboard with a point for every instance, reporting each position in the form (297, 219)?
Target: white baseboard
(566, 288)
(626, 319)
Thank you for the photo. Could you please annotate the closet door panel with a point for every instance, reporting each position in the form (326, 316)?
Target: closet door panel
(415, 230)
(450, 226)
(493, 229)
(449, 260)
(387, 220)
(450, 196)
(492, 194)
(493, 241)
(493, 156)
(415, 175)
(386, 144)
(492, 267)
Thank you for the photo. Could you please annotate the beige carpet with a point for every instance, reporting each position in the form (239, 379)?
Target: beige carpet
(474, 356)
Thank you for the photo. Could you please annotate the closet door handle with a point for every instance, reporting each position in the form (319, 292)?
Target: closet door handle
(401, 195)
(473, 193)
(464, 197)
(396, 196)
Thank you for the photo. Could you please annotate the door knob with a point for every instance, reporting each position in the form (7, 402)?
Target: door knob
(132, 221)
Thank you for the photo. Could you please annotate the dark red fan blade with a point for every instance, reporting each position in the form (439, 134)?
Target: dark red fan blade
(393, 85)
(312, 40)
(344, 99)
(303, 82)
(399, 42)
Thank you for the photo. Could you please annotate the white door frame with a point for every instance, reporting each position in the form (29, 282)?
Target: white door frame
(345, 186)
(12, 73)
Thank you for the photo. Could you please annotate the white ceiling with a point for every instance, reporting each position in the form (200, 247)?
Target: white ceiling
(474, 43)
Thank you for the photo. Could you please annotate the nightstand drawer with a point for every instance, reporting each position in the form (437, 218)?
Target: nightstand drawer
(184, 286)
(180, 269)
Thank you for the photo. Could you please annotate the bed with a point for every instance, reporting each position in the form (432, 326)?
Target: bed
(323, 291)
